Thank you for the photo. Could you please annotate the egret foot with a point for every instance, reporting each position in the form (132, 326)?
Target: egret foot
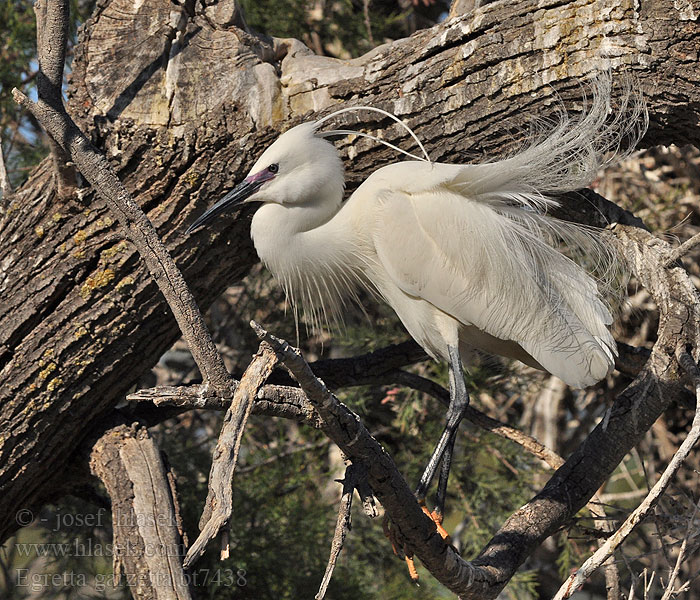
(401, 549)
(436, 517)
(412, 572)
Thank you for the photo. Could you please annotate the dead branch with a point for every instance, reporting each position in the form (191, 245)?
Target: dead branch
(147, 542)
(342, 526)
(141, 233)
(51, 113)
(346, 429)
(272, 400)
(219, 504)
(683, 249)
(291, 403)
(573, 583)
(612, 573)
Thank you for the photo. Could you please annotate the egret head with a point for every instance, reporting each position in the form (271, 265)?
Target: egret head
(302, 168)
(299, 168)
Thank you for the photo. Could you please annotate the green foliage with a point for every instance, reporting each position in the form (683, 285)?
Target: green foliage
(568, 558)
(523, 586)
(341, 28)
(18, 69)
(281, 18)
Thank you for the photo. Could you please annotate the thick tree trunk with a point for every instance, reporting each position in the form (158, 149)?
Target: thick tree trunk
(182, 101)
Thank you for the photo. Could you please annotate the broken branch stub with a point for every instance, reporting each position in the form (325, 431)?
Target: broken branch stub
(219, 504)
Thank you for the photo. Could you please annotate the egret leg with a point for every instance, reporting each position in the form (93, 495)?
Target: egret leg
(445, 466)
(459, 400)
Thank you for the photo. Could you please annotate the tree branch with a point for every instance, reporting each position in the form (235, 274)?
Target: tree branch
(52, 35)
(286, 402)
(147, 544)
(92, 164)
(575, 581)
(219, 504)
(141, 233)
(342, 526)
(291, 402)
(347, 431)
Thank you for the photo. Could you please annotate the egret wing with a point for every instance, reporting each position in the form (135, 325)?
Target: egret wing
(487, 261)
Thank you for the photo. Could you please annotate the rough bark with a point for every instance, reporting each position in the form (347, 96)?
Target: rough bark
(182, 101)
(148, 546)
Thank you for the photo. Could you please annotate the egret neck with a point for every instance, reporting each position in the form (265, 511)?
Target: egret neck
(306, 247)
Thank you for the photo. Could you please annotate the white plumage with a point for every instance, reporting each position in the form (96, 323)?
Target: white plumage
(465, 254)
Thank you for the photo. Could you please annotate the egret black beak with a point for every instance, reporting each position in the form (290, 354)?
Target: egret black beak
(236, 196)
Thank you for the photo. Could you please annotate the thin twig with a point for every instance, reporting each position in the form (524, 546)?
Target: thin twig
(679, 561)
(52, 31)
(219, 504)
(5, 185)
(681, 557)
(603, 523)
(342, 526)
(272, 400)
(574, 582)
(368, 21)
(683, 249)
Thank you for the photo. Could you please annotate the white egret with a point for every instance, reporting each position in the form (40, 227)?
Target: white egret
(465, 254)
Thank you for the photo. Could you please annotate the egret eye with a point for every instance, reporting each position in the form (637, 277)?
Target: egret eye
(273, 168)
